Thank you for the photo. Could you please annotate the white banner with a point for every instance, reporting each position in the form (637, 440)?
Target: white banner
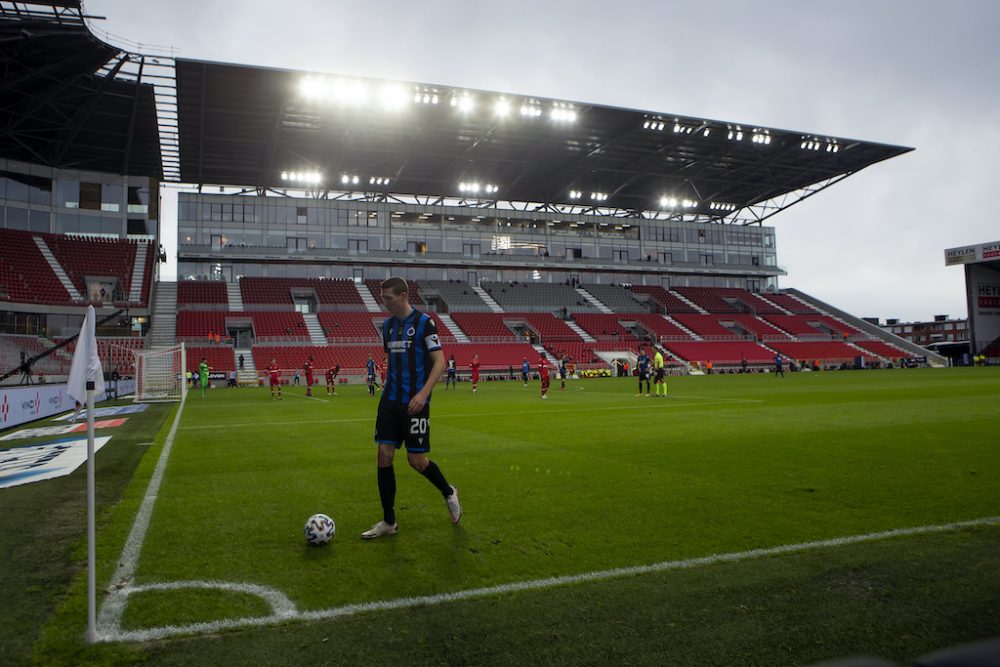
(21, 465)
(19, 405)
(112, 411)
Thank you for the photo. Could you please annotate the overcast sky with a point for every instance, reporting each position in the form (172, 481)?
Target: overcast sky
(906, 72)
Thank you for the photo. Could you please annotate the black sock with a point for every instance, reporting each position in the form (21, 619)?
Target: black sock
(387, 492)
(436, 477)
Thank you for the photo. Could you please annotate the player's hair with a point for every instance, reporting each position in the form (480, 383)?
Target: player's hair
(396, 285)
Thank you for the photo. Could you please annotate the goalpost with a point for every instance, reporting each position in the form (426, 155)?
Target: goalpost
(160, 374)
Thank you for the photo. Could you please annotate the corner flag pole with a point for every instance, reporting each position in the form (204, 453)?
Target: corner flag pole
(86, 377)
(91, 530)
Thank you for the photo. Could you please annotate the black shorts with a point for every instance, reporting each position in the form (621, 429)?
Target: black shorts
(394, 426)
(643, 376)
(451, 374)
(661, 373)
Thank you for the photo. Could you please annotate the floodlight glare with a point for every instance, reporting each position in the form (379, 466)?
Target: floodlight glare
(502, 107)
(393, 97)
(463, 102)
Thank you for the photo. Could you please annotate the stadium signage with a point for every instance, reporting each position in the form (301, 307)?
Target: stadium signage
(972, 253)
(988, 295)
(21, 465)
(24, 404)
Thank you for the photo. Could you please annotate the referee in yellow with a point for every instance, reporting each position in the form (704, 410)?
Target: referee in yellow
(659, 374)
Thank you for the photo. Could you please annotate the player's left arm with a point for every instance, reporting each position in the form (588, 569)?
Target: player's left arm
(419, 400)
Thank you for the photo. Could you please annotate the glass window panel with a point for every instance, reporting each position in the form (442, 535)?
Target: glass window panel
(90, 224)
(17, 218)
(90, 196)
(111, 198)
(38, 221)
(67, 223)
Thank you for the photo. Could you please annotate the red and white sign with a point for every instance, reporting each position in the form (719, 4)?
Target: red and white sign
(49, 431)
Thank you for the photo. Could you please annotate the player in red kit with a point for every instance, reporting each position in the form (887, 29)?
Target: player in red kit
(308, 368)
(331, 378)
(475, 372)
(274, 377)
(543, 374)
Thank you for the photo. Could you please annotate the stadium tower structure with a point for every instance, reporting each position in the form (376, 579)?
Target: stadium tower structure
(287, 177)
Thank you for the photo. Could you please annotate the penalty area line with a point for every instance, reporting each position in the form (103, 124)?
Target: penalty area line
(285, 614)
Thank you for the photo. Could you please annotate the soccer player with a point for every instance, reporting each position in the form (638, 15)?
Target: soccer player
(451, 373)
(370, 366)
(543, 375)
(642, 365)
(475, 372)
(308, 368)
(203, 369)
(659, 374)
(415, 363)
(562, 374)
(331, 379)
(778, 370)
(525, 371)
(274, 377)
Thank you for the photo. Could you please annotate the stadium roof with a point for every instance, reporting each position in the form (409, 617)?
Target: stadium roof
(253, 125)
(68, 99)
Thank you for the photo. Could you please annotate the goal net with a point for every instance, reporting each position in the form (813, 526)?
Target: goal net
(159, 374)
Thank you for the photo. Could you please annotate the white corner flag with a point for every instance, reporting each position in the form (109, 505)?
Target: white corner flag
(86, 377)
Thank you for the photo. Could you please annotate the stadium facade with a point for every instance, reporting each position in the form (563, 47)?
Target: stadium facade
(295, 176)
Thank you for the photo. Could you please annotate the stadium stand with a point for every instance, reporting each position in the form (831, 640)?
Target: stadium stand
(720, 353)
(444, 333)
(661, 328)
(219, 359)
(708, 299)
(276, 326)
(882, 349)
(455, 295)
(546, 325)
(12, 345)
(667, 302)
(708, 326)
(25, 275)
(754, 326)
(524, 297)
(789, 303)
(330, 294)
(82, 257)
(812, 326)
(584, 354)
(483, 326)
(493, 356)
(828, 351)
(198, 293)
(358, 326)
(617, 298)
(603, 326)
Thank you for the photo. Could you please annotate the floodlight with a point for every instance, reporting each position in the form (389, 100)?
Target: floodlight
(464, 102)
(502, 107)
(393, 97)
(345, 179)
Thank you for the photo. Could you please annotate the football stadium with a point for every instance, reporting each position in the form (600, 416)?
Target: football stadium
(665, 453)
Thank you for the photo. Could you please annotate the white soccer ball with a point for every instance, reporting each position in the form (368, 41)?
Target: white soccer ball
(320, 529)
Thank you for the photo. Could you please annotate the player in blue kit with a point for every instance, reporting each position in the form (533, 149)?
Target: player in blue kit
(525, 371)
(370, 368)
(415, 364)
(451, 373)
(642, 365)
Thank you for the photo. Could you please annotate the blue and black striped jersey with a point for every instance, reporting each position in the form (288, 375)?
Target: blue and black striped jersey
(408, 344)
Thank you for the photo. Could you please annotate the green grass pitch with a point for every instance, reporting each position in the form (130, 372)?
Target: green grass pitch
(594, 478)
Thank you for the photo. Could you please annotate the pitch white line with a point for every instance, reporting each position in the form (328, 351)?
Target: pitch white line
(114, 605)
(289, 613)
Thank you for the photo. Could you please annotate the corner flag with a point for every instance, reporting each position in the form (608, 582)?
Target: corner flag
(86, 376)
(86, 363)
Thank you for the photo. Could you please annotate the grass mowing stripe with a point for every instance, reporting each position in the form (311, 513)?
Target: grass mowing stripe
(462, 415)
(284, 609)
(114, 605)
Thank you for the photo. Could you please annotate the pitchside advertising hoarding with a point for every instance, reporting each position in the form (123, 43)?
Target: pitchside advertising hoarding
(19, 405)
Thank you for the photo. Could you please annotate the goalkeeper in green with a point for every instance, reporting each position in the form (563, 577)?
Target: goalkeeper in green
(203, 369)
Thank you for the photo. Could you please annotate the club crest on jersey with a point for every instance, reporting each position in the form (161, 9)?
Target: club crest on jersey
(411, 331)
